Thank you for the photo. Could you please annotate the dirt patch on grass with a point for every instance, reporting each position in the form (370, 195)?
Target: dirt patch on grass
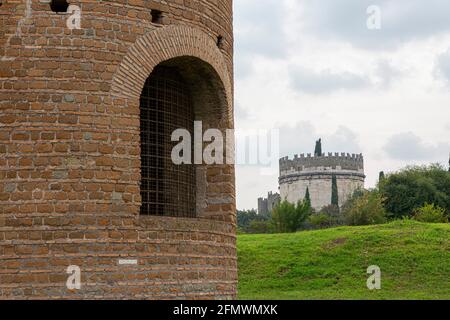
(334, 243)
(283, 270)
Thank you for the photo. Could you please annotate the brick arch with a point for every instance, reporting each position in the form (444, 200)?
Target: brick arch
(162, 45)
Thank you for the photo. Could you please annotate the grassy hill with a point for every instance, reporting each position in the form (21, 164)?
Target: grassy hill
(331, 264)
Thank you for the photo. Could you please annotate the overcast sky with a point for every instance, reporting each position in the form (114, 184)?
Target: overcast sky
(313, 69)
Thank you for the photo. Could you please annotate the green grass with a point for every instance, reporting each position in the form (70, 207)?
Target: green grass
(331, 264)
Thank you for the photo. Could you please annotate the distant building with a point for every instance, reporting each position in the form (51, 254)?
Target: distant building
(265, 205)
(315, 173)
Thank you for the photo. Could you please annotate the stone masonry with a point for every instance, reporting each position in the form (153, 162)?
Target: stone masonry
(316, 172)
(70, 151)
(266, 205)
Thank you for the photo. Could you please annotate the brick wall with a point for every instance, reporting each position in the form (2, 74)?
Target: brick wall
(69, 151)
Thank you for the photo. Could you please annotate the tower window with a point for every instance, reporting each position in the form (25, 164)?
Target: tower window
(59, 6)
(220, 42)
(156, 16)
(166, 105)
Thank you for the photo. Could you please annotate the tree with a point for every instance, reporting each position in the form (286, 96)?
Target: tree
(358, 193)
(247, 217)
(281, 214)
(365, 209)
(289, 217)
(259, 227)
(303, 210)
(334, 191)
(320, 221)
(335, 217)
(413, 187)
(308, 196)
(381, 176)
(318, 148)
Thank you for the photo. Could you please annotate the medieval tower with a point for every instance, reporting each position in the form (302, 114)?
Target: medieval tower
(90, 94)
(315, 173)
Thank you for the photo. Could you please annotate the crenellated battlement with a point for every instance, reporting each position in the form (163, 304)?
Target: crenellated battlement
(332, 161)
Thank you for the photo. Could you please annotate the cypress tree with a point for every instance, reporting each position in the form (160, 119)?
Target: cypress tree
(307, 196)
(318, 149)
(381, 177)
(334, 191)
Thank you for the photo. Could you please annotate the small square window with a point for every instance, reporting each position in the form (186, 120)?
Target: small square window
(59, 6)
(220, 42)
(157, 16)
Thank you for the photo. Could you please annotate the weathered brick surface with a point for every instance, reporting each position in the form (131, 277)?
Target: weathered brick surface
(69, 151)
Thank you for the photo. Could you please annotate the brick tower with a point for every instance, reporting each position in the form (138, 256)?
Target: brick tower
(90, 92)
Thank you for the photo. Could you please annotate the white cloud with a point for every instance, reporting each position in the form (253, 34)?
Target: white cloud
(387, 73)
(443, 66)
(301, 138)
(408, 146)
(259, 31)
(401, 21)
(325, 81)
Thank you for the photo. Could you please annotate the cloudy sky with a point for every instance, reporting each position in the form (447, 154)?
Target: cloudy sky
(313, 69)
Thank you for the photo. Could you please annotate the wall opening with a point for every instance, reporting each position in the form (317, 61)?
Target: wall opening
(220, 42)
(165, 105)
(59, 6)
(178, 92)
(157, 16)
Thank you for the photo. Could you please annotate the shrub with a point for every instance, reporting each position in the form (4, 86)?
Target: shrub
(259, 227)
(334, 215)
(412, 187)
(365, 209)
(329, 216)
(246, 218)
(319, 221)
(288, 217)
(431, 214)
(358, 193)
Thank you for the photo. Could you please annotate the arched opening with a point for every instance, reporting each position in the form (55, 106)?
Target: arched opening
(177, 93)
(165, 105)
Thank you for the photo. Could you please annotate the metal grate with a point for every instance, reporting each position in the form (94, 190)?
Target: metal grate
(166, 189)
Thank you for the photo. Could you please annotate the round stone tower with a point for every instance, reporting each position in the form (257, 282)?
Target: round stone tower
(315, 173)
(90, 205)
